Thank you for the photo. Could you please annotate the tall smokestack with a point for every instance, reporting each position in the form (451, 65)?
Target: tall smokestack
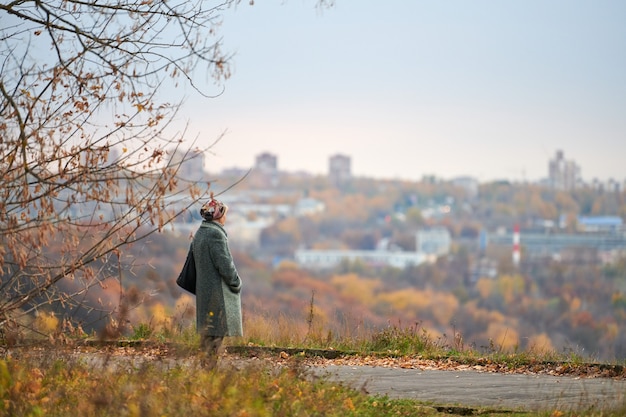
(516, 251)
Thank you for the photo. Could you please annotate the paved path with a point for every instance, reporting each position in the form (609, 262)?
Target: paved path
(472, 389)
(461, 388)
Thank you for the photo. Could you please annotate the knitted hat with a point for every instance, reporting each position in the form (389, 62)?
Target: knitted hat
(213, 209)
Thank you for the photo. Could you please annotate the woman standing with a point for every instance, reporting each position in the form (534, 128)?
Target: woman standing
(218, 286)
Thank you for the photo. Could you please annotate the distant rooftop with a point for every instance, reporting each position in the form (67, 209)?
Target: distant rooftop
(600, 220)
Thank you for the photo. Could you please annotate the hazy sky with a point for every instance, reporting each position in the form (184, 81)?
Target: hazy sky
(407, 88)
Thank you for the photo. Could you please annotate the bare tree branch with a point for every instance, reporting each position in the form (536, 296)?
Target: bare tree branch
(85, 154)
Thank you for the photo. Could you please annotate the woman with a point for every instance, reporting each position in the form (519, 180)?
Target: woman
(218, 286)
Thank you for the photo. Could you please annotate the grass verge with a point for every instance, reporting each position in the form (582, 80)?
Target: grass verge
(55, 383)
(105, 380)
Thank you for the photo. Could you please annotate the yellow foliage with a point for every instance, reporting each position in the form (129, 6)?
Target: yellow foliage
(329, 245)
(287, 264)
(46, 322)
(444, 306)
(510, 287)
(503, 336)
(361, 289)
(471, 309)
(379, 202)
(159, 317)
(540, 343)
(354, 206)
(348, 404)
(408, 299)
(612, 330)
(185, 306)
(495, 316)
(184, 301)
(441, 305)
(575, 304)
(435, 334)
(290, 226)
(483, 315)
(484, 287)
(134, 410)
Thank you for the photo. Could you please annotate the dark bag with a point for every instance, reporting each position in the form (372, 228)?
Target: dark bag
(187, 278)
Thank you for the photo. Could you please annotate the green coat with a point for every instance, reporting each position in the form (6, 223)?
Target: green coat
(218, 286)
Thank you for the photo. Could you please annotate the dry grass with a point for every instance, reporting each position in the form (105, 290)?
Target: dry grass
(58, 382)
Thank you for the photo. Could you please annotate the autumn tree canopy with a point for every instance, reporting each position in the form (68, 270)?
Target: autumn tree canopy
(84, 136)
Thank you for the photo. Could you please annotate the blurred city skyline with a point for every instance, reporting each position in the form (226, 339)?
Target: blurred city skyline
(484, 89)
(561, 173)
